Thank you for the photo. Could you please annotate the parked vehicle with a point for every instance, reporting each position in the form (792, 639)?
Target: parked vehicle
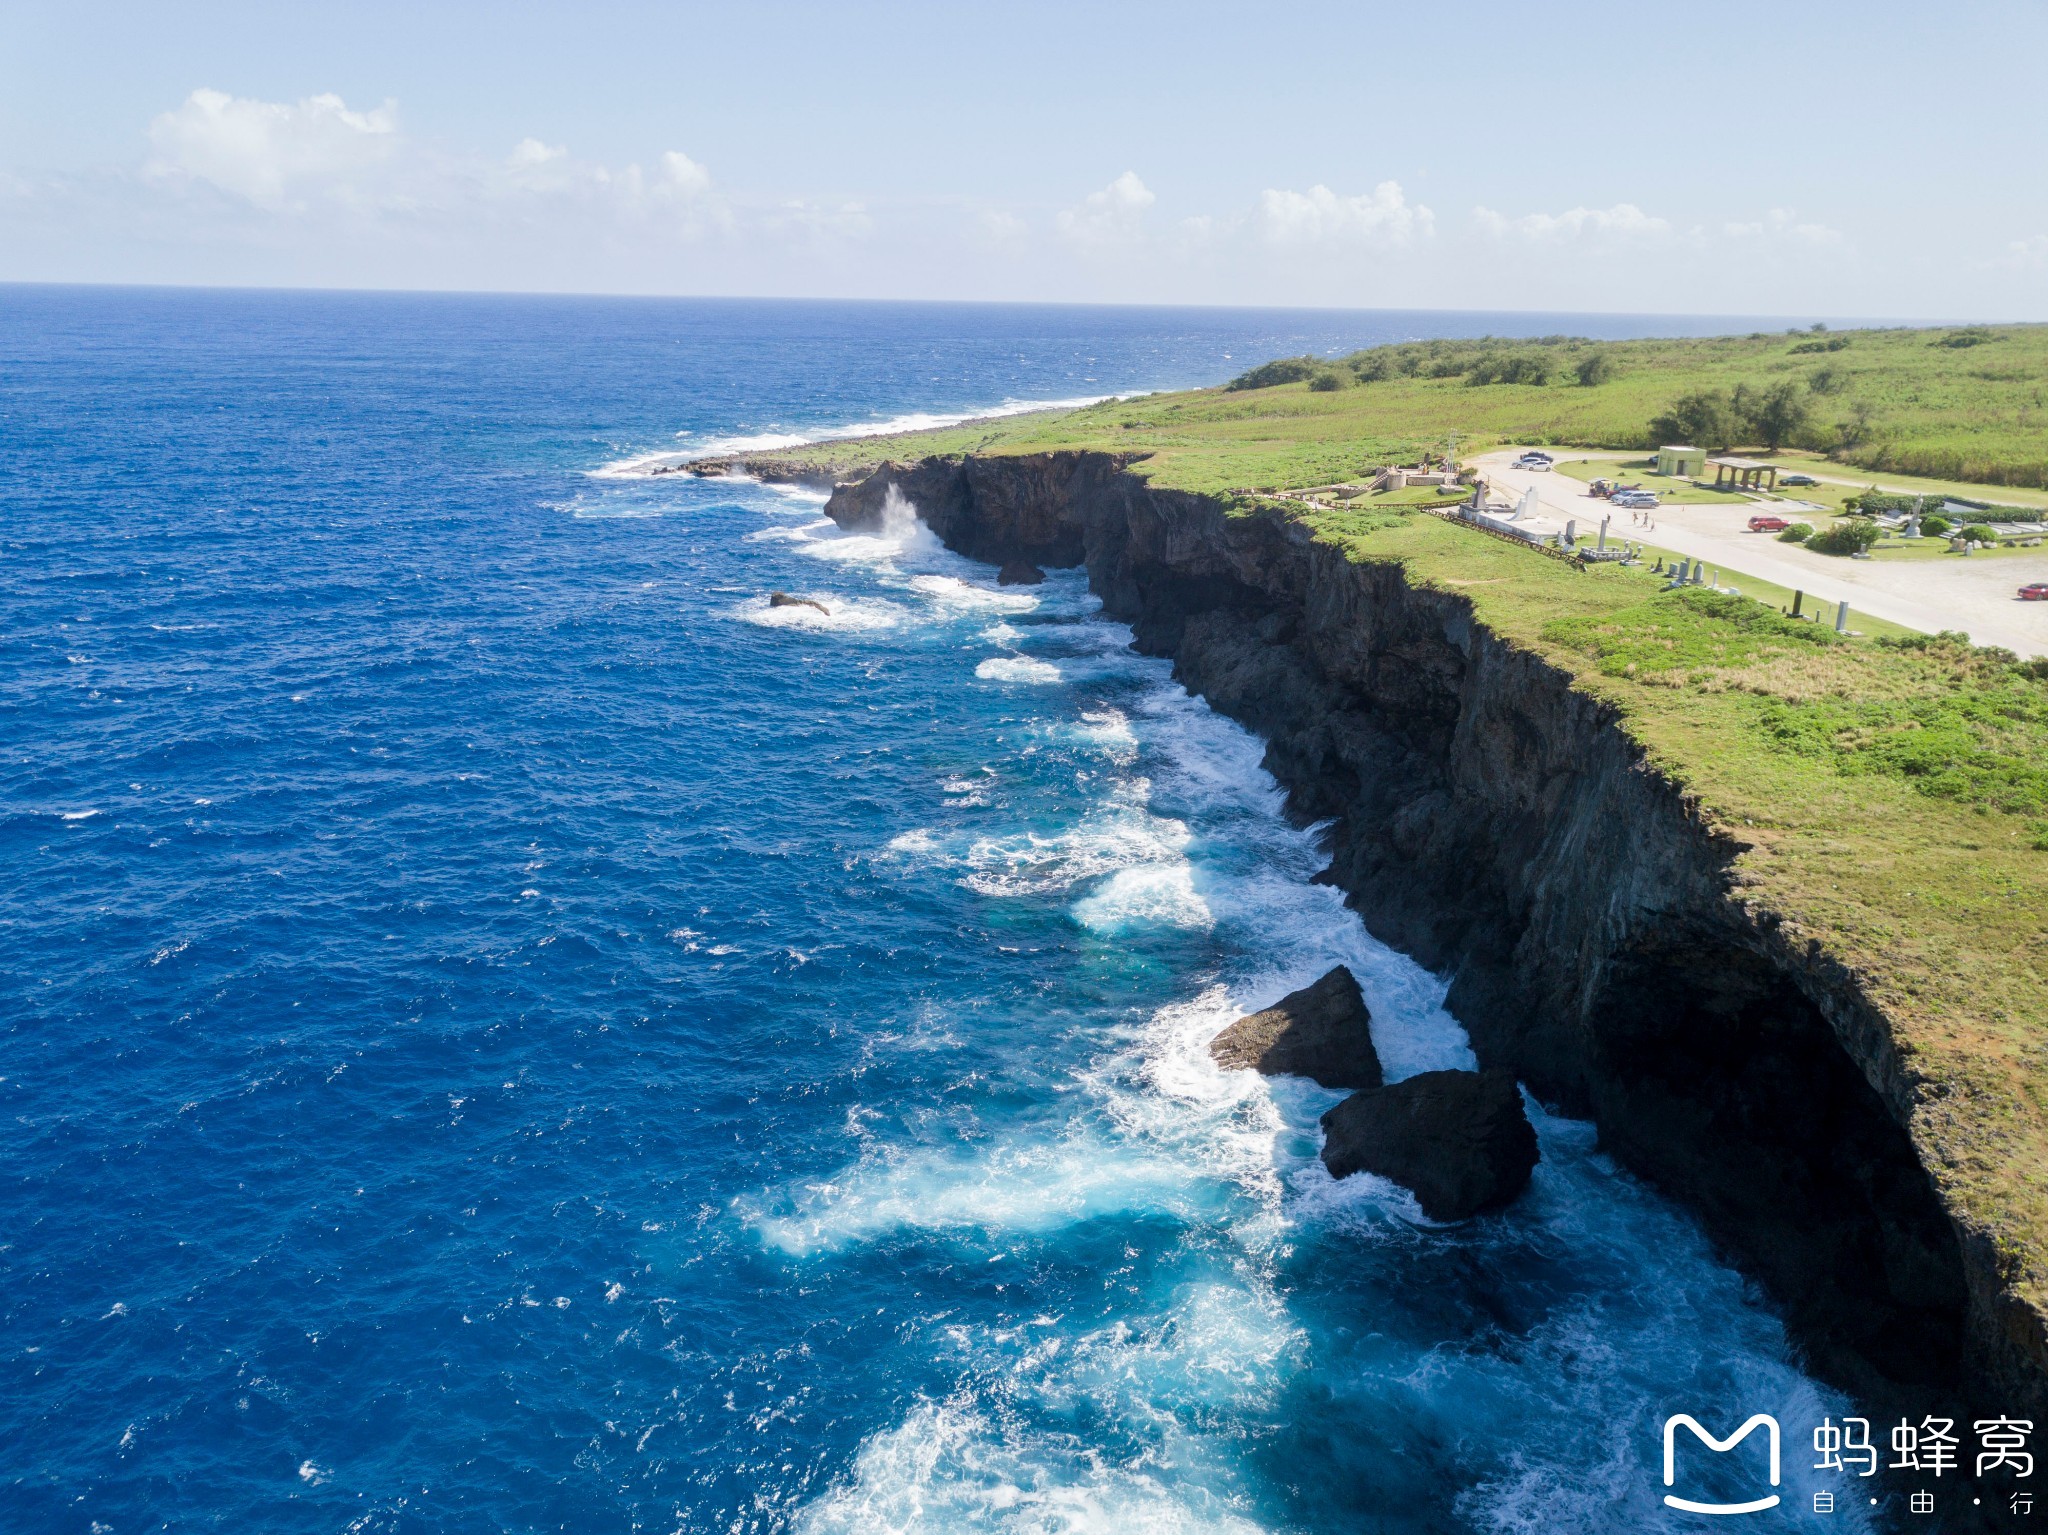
(1533, 461)
(1768, 524)
(1600, 488)
(2036, 592)
(1797, 479)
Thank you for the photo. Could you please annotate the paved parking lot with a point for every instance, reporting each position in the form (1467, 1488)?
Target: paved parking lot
(1973, 594)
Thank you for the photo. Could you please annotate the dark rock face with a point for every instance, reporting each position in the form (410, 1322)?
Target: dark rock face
(784, 600)
(1458, 1139)
(1499, 826)
(1322, 1031)
(1019, 573)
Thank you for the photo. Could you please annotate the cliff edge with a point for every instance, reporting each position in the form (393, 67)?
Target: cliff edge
(1609, 944)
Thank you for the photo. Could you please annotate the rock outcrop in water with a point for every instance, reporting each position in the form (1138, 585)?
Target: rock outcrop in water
(1323, 1031)
(1504, 829)
(784, 600)
(1019, 573)
(1458, 1140)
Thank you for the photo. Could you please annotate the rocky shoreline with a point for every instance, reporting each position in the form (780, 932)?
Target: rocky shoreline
(1505, 829)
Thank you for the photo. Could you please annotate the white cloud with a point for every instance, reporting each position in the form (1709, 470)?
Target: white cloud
(273, 152)
(1112, 216)
(1379, 219)
(1624, 222)
(1782, 226)
(538, 171)
(233, 189)
(685, 176)
(2026, 255)
(352, 171)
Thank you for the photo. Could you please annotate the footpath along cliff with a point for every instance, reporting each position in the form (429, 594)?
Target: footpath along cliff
(1503, 826)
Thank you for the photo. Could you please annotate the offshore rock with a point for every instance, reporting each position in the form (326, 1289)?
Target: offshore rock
(1019, 573)
(1323, 1031)
(784, 600)
(1459, 1140)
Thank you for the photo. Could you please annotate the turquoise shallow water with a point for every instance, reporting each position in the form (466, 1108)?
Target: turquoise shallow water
(503, 1030)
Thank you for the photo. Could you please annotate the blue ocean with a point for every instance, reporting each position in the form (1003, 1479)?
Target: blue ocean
(503, 1030)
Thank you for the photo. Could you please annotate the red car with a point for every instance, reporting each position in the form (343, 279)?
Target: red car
(2038, 592)
(1768, 524)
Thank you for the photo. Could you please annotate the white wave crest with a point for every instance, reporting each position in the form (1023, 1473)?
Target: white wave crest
(1008, 1191)
(642, 464)
(1022, 669)
(842, 615)
(1160, 893)
(951, 591)
(952, 1467)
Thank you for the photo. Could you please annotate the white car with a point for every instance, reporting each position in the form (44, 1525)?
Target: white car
(1532, 461)
(1637, 501)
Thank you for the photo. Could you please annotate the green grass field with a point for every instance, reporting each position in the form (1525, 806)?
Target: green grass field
(1890, 791)
(1891, 403)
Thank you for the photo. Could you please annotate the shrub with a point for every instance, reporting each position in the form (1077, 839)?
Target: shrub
(1832, 344)
(1852, 535)
(1798, 533)
(1326, 380)
(1702, 417)
(1284, 370)
(1507, 368)
(1935, 527)
(1969, 335)
(1977, 531)
(1775, 415)
(1594, 369)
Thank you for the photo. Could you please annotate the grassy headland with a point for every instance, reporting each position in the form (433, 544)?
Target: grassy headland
(1965, 405)
(1891, 793)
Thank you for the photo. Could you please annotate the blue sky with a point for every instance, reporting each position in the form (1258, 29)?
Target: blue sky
(1875, 159)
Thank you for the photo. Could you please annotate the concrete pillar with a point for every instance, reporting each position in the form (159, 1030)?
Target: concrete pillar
(1603, 530)
(1842, 619)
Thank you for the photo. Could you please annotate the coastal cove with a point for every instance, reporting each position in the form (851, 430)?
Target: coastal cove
(510, 1027)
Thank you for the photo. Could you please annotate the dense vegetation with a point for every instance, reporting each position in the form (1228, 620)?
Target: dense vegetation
(1968, 404)
(1968, 407)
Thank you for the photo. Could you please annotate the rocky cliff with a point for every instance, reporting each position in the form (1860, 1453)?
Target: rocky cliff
(1505, 829)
